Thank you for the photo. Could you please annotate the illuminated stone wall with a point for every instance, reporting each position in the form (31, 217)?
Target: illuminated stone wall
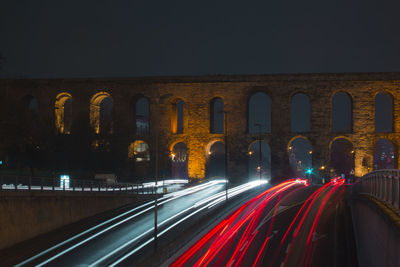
(197, 92)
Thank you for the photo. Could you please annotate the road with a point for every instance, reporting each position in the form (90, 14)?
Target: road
(119, 238)
(291, 224)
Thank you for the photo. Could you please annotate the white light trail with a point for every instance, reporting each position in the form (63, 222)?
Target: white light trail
(215, 199)
(169, 197)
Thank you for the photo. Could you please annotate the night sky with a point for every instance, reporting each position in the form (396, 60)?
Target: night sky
(145, 38)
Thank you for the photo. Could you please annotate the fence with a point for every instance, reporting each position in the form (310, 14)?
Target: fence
(383, 185)
(25, 183)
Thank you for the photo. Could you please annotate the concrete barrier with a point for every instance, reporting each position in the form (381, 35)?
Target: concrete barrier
(377, 236)
(24, 215)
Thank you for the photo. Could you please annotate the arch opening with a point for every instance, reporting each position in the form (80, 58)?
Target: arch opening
(300, 156)
(342, 113)
(177, 117)
(384, 155)
(139, 151)
(179, 159)
(215, 166)
(101, 106)
(142, 116)
(259, 113)
(217, 116)
(259, 161)
(342, 156)
(300, 110)
(63, 113)
(30, 104)
(383, 113)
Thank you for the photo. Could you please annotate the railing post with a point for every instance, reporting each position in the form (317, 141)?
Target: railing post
(398, 192)
(392, 191)
(1, 182)
(63, 185)
(41, 184)
(16, 183)
(91, 186)
(54, 184)
(387, 195)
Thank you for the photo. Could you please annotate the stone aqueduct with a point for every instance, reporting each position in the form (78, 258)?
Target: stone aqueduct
(197, 92)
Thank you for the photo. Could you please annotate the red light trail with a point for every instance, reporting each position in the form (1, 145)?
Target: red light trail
(331, 187)
(245, 220)
(229, 241)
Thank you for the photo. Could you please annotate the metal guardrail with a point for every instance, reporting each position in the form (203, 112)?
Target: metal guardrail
(383, 185)
(26, 183)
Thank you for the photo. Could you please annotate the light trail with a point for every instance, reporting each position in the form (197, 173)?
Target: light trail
(168, 197)
(223, 233)
(217, 197)
(222, 239)
(332, 187)
(337, 183)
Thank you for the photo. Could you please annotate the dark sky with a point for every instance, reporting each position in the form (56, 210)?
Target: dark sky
(141, 38)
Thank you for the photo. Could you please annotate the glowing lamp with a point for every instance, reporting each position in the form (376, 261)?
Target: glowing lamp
(309, 171)
(64, 181)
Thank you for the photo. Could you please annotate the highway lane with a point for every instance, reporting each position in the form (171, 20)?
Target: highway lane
(288, 226)
(229, 241)
(110, 241)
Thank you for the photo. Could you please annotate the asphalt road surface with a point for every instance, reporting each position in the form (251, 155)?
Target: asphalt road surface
(291, 224)
(113, 241)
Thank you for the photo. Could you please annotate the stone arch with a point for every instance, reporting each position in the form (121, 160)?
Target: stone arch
(101, 105)
(215, 159)
(139, 151)
(342, 156)
(139, 159)
(259, 113)
(179, 160)
(217, 115)
(300, 113)
(300, 155)
(342, 112)
(383, 112)
(384, 155)
(142, 115)
(63, 113)
(177, 118)
(257, 159)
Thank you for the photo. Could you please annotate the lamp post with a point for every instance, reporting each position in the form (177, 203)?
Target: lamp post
(158, 101)
(226, 149)
(260, 152)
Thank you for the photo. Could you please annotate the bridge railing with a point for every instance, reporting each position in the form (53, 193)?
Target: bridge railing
(26, 183)
(383, 185)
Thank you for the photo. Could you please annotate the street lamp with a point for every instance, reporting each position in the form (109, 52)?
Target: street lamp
(260, 154)
(157, 101)
(226, 149)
